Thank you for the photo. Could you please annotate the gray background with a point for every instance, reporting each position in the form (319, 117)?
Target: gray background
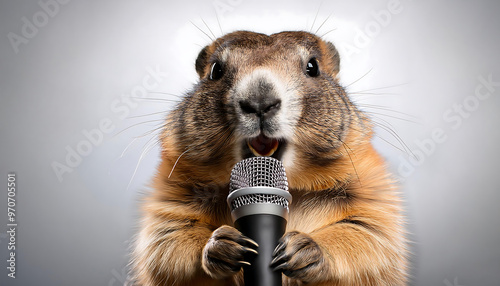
(88, 59)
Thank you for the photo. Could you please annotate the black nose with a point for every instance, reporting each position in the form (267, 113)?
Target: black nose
(265, 108)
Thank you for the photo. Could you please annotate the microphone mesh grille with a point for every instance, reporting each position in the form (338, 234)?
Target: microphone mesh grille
(259, 199)
(258, 172)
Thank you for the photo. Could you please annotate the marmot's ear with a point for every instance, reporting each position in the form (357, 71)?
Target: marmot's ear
(201, 62)
(334, 55)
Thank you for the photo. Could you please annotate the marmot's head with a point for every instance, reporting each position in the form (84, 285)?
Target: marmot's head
(261, 95)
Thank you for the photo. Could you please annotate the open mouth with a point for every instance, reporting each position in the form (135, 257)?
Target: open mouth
(261, 146)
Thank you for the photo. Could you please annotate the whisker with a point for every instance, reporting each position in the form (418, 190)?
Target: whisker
(360, 94)
(144, 115)
(168, 124)
(199, 46)
(218, 23)
(143, 153)
(172, 94)
(385, 108)
(136, 124)
(127, 147)
(176, 161)
(377, 88)
(206, 34)
(210, 30)
(405, 149)
(202, 31)
(317, 30)
(390, 143)
(221, 134)
(151, 131)
(315, 17)
(391, 131)
(322, 36)
(344, 145)
(382, 122)
(336, 121)
(134, 139)
(392, 116)
(156, 99)
(352, 162)
(358, 78)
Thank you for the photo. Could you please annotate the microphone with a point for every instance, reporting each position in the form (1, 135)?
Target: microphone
(259, 200)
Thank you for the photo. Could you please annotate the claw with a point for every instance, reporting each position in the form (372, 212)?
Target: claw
(280, 267)
(244, 263)
(250, 241)
(279, 247)
(283, 257)
(247, 249)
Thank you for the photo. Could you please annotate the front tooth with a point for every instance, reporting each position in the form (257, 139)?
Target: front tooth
(273, 150)
(253, 150)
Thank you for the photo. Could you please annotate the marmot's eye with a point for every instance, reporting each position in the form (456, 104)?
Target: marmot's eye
(312, 68)
(217, 71)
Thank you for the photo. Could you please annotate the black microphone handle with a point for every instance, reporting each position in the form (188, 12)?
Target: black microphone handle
(266, 230)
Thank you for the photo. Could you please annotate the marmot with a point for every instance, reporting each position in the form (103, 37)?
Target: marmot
(271, 95)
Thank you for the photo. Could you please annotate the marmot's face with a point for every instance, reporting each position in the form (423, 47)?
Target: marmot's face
(262, 95)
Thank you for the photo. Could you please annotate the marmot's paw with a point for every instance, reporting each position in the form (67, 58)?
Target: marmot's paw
(226, 252)
(299, 257)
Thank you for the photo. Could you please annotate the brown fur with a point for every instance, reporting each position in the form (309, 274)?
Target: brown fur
(345, 225)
